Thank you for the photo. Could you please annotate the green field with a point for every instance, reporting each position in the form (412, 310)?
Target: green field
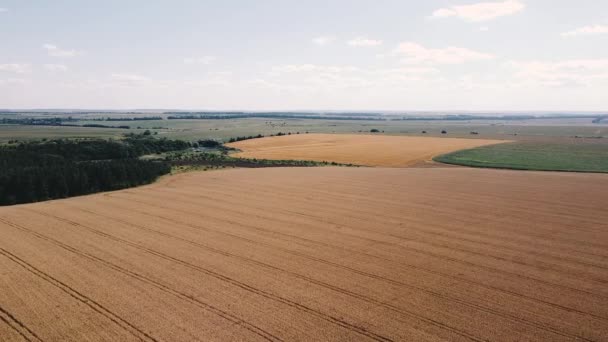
(580, 155)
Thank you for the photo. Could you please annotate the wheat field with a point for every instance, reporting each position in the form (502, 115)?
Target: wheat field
(368, 150)
(382, 254)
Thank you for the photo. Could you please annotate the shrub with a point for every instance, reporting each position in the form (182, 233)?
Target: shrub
(209, 143)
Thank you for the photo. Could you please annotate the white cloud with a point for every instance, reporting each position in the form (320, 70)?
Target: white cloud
(364, 42)
(55, 51)
(323, 40)
(55, 67)
(220, 74)
(213, 79)
(410, 71)
(2, 9)
(587, 31)
(12, 81)
(484, 29)
(315, 79)
(128, 79)
(291, 68)
(414, 53)
(15, 68)
(482, 11)
(398, 77)
(580, 72)
(205, 60)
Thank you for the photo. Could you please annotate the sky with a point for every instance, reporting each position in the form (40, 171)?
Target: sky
(394, 55)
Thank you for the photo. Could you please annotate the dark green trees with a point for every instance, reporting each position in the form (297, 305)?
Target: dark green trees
(31, 172)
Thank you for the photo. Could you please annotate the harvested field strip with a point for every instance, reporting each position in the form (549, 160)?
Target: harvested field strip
(315, 254)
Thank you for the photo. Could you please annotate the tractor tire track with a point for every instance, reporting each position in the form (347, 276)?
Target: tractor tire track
(75, 294)
(420, 251)
(18, 326)
(427, 206)
(402, 264)
(345, 212)
(232, 281)
(208, 307)
(422, 231)
(394, 308)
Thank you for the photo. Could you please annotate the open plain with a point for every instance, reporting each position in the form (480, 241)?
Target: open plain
(368, 150)
(382, 254)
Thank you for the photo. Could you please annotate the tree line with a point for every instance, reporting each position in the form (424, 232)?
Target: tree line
(205, 116)
(53, 122)
(37, 171)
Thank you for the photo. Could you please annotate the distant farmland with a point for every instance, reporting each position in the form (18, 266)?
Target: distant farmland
(453, 254)
(370, 150)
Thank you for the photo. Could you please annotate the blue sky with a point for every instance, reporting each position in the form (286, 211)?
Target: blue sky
(509, 55)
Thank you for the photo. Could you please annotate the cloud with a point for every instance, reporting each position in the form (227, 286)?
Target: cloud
(414, 53)
(2, 9)
(410, 71)
(205, 60)
(323, 40)
(291, 68)
(55, 67)
(16, 68)
(580, 72)
(12, 81)
(481, 11)
(315, 79)
(587, 31)
(128, 79)
(364, 42)
(55, 51)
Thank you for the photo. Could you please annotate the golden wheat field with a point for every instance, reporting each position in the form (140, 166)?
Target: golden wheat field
(343, 254)
(369, 150)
